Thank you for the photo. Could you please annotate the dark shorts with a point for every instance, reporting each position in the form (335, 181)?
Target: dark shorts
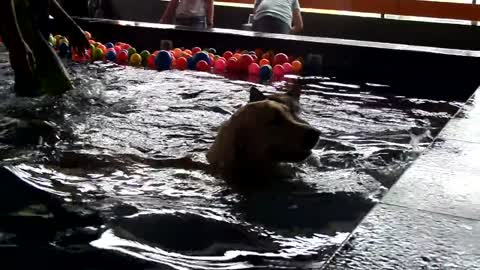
(195, 22)
(270, 24)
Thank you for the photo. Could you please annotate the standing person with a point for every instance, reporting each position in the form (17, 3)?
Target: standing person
(277, 16)
(193, 13)
(24, 29)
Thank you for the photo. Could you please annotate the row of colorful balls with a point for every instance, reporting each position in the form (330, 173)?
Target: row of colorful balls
(252, 62)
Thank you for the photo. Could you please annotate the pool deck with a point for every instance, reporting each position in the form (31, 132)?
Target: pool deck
(430, 219)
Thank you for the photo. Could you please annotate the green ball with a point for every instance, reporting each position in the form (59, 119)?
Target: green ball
(131, 51)
(52, 40)
(97, 54)
(144, 54)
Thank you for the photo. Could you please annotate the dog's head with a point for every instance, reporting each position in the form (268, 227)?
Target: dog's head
(265, 131)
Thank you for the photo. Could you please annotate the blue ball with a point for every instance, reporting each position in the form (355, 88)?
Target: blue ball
(109, 45)
(265, 72)
(201, 56)
(63, 49)
(111, 56)
(191, 63)
(163, 61)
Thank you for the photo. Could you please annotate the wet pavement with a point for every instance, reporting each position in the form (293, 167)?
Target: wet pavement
(430, 219)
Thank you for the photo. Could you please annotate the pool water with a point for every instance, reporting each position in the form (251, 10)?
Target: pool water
(87, 202)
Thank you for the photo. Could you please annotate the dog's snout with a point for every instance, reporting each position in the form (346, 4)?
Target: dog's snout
(311, 137)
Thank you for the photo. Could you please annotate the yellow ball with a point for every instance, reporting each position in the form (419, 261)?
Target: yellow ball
(135, 59)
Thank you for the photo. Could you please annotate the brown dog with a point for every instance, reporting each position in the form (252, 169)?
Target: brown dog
(264, 132)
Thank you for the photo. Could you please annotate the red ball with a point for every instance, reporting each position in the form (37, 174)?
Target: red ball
(151, 61)
(227, 55)
(278, 70)
(245, 61)
(126, 46)
(202, 65)
(181, 63)
(220, 65)
(196, 50)
(287, 67)
(156, 53)
(253, 69)
(122, 56)
(232, 63)
(117, 48)
(280, 58)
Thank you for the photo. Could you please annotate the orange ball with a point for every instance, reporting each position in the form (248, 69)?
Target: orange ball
(264, 62)
(297, 66)
(237, 55)
(88, 35)
(177, 52)
(187, 51)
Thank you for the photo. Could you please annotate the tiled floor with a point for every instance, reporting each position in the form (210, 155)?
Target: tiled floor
(430, 219)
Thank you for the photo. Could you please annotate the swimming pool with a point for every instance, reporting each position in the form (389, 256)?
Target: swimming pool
(79, 148)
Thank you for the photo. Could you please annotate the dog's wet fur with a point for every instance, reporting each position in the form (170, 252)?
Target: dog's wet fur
(261, 134)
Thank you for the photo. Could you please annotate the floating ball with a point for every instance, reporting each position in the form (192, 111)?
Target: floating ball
(111, 56)
(125, 46)
(253, 69)
(136, 59)
(278, 70)
(88, 35)
(264, 62)
(144, 54)
(265, 72)
(122, 57)
(196, 50)
(220, 65)
(232, 64)
(187, 51)
(51, 40)
(156, 53)
(297, 66)
(64, 49)
(151, 61)
(57, 38)
(191, 64)
(287, 67)
(131, 51)
(177, 52)
(202, 65)
(244, 62)
(109, 45)
(92, 42)
(97, 54)
(117, 49)
(202, 56)
(237, 55)
(61, 41)
(181, 63)
(103, 48)
(227, 55)
(212, 50)
(280, 58)
(163, 60)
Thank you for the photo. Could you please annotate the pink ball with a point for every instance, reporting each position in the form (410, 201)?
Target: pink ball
(278, 70)
(288, 68)
(253, 69)
(220, 65)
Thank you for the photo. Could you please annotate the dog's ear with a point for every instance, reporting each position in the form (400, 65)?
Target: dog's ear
(295, 92)
(256, 95)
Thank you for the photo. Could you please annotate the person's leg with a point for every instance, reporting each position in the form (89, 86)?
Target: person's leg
(50, 73)
(270, 24)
